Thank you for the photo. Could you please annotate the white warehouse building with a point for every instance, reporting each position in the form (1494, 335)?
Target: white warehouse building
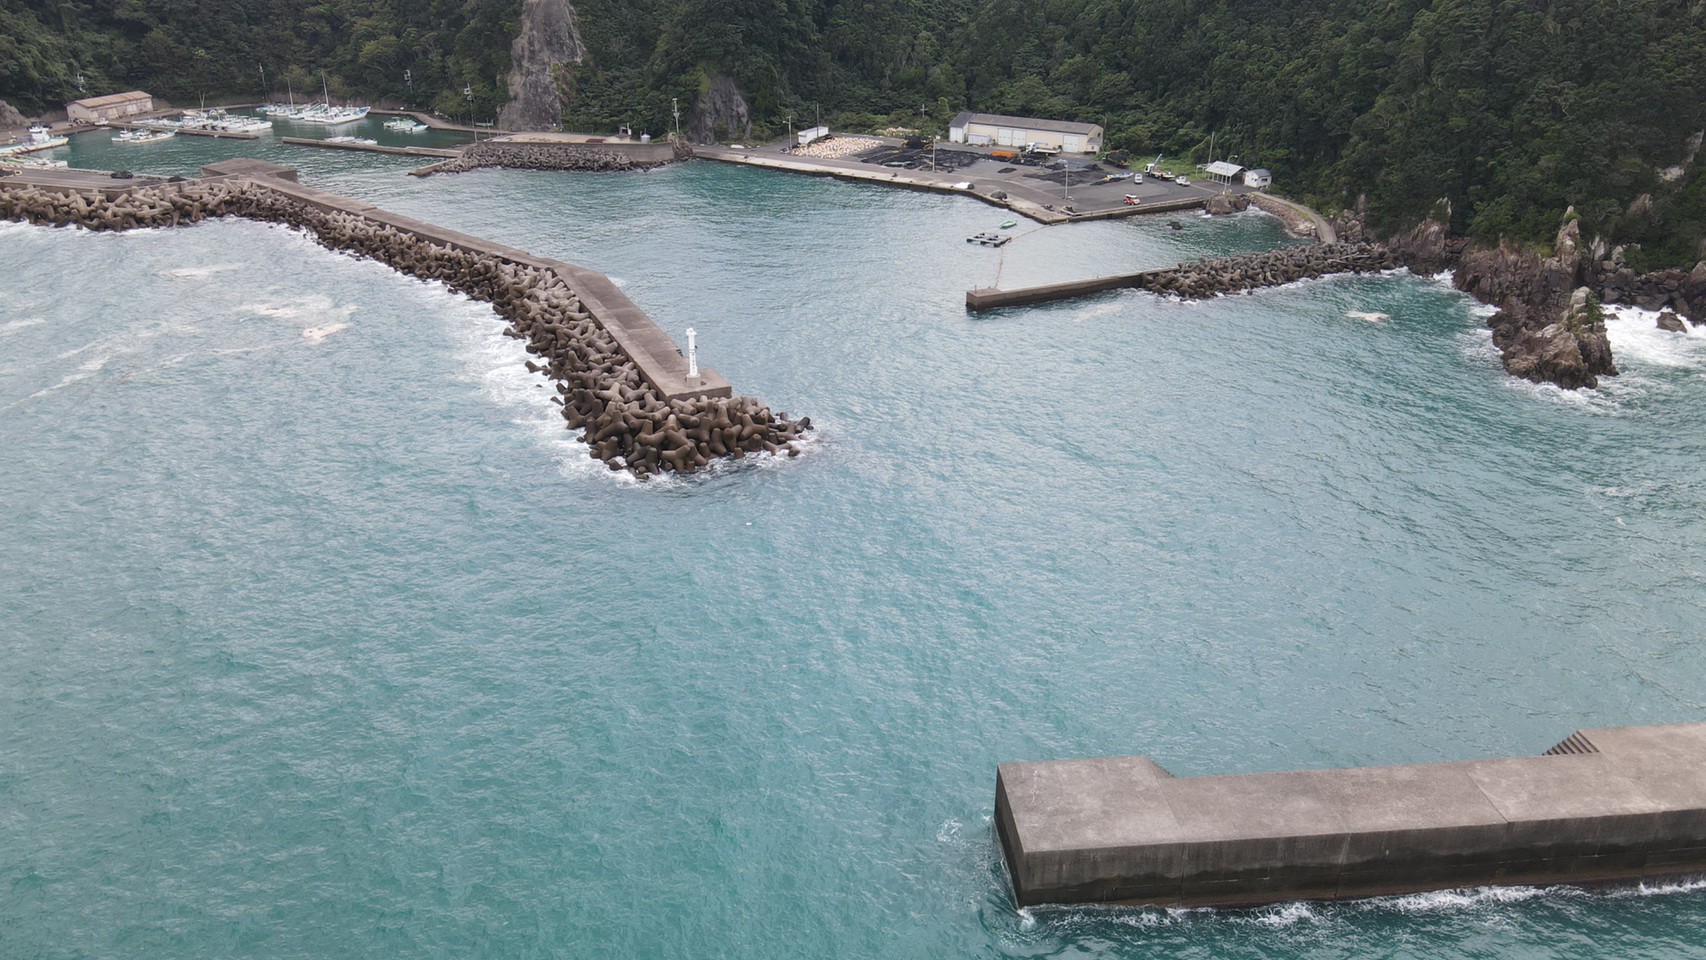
(991, 129)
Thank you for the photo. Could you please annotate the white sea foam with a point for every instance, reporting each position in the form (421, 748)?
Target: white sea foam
(1283, 915)
(198, 273)
(13, 326)
(317, 334)
(1441, 901)
(84, 371)
(315, 307)
(1637, 340)
(1369, 315)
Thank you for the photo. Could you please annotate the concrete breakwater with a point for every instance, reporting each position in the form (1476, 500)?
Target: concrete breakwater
(1602, 806)
(633, 416)
(560, 155)
(1249, 271)
(1206, 278)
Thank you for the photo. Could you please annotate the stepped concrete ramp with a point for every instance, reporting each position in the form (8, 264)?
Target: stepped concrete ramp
(1603, 806)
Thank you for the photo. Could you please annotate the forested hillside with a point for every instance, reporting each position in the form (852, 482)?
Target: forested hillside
(186, 49)
(1509, 111)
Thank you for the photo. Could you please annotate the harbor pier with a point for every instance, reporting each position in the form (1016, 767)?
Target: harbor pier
(1606, 806)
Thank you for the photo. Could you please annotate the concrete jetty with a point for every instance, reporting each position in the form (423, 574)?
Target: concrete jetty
(640, 404)
(549, 151)
(1604, 806)
(1204, 278)
(407, 151)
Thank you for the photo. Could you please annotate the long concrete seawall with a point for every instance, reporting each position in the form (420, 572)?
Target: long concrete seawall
(1204, 278)
(1603, 806)
(619, 378)
(543, 154)
(409, 151)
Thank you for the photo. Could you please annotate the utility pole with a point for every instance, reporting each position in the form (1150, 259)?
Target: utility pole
(468, 94)
(675, 108)
(790, 129)
(409, 81)
(263, 69)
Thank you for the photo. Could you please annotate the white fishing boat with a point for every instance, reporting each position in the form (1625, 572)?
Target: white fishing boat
(326, 114)
(144, 135)
(354, 141)
(405, 125)
(334, 116)
(38, 138)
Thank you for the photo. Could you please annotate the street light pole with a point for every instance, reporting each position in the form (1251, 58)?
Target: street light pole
(675, 108)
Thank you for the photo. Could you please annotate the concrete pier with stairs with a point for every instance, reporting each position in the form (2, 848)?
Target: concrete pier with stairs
(1612, 805)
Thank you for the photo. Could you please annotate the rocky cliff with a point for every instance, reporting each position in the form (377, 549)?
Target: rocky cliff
(719, 111)
(549, 38)
(9, 117)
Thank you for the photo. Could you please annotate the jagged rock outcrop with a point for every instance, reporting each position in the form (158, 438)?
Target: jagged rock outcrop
(1549, 327)
(1672, 322)
(548, 39)
(10, 117)
(720, 109)
(1683, 291)
(1426, 248)
(1571, 351)
(1224, 203)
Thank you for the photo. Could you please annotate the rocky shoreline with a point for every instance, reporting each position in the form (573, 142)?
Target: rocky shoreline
(624, 420)
(1549, 325)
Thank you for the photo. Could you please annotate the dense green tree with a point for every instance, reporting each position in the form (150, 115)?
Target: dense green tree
(1504, 112)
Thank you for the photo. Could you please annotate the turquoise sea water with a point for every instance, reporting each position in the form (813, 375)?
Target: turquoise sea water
(322, 638)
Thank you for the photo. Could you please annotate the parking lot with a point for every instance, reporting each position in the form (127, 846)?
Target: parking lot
(1071, 185)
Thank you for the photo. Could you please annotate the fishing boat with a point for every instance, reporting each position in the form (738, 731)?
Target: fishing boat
(354, 141)
(144, 135)
(405, 125)
(1009, 224)
(38, 138)
(328, 115)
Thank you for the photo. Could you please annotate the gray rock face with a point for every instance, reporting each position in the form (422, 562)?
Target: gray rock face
(10, 117)
(548, 39)
(720, 109)
(1670, 321)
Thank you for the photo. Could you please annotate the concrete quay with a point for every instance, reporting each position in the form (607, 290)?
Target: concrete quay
(1605, 806)
(990, 298)
(1043, 203)
(439, 152)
